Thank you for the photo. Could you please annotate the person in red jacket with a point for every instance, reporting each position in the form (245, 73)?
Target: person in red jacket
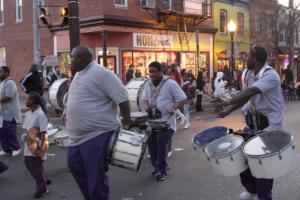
(174, 74)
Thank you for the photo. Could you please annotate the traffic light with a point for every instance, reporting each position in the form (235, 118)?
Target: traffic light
(64, 13)
(43, 16)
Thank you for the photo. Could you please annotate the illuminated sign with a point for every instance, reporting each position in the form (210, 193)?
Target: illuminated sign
(193, 7)
(152, 40)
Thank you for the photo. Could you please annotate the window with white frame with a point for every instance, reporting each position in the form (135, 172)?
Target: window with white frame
(1, 12)
(121, 3)
(2, 56)
(19, 4)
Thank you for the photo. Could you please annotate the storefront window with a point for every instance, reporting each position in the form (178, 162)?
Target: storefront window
(111, 59)
(141, 60)
(64, 62)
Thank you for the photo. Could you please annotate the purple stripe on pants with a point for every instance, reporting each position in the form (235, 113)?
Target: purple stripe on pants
(88, 165)
(158, 149)
(3, 167)
(8, 137)
(35, 166)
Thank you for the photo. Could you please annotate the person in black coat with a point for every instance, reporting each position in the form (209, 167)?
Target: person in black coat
(200, 83)
(33, 82)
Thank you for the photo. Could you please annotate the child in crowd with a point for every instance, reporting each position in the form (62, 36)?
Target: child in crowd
(35, 148)
(190, 92)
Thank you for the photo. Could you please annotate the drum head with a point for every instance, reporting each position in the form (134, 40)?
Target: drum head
(135, 89)
(61, 134)
(267, 143)
(224, 145)
(52, 131)
(208, 135)
(138, 115)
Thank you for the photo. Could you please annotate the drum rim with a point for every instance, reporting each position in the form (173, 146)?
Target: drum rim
(269, 154)
(204, 145)
(225, 154)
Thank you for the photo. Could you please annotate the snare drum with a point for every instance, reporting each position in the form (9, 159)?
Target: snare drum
(270, 154)
(226, 155)
(57, 92)
(208, 135)
(127, 150)
(51, 132)
(61, 139)
(158, 126)
(135, 89)
(139, 117)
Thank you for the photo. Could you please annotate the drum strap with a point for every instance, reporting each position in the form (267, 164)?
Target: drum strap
(155, 90)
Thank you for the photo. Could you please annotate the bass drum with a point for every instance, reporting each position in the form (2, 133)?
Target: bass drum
(57, 92)
(135, 89)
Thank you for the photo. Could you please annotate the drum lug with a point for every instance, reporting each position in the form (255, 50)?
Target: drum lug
(260, 161)
(279, 155)
(207, 158)
(246, 161)
(231, 158)
(293, 147)
(217, 161)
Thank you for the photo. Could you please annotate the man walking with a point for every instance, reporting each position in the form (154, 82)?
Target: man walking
(92, 112)
(11, 115)
(165, 96)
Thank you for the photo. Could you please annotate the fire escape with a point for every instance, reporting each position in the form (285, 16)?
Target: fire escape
(175, 11)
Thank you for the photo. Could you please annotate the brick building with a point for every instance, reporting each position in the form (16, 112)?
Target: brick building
(16, 36)
(139, 32)
(263, 26)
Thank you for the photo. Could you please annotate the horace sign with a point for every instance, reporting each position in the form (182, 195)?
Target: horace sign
(152, 40)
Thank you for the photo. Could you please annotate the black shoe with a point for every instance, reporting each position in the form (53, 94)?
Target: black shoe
(48, 182)
(161, 177)
(40, 194)
(154, 173)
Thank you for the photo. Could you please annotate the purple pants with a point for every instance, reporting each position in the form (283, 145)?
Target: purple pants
(158, 145)
(261, 187)
(88, 165)
(35, 166)
(3, 167)
(8, 137)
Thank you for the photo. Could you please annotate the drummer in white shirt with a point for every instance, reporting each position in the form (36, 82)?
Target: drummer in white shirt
(262, 95)
(165, 96)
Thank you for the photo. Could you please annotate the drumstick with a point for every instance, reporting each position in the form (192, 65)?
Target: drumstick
(204, 118)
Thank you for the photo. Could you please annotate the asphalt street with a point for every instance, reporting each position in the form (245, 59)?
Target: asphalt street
(190, 176)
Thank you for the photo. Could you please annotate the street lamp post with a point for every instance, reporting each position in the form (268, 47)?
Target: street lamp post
(232, 28)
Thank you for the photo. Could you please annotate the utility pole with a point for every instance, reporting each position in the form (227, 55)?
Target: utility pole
(197, 52)
(74, 23)
(291, 31)
(36, 33)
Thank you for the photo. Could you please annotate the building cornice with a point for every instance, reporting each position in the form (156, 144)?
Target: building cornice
(129, 22)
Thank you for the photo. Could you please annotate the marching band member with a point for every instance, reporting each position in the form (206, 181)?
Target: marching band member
(34, 154)
(10, 114)
(92, 118)
(261, 99)
(163, 95)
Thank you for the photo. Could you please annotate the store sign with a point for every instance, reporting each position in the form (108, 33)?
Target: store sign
(152, 40)
(193, 7)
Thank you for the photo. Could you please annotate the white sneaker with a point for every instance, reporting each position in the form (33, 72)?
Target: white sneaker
(182, 120)
(169, 154)
(246, 196)
(3, 153)
(17, 152)
(187, 125)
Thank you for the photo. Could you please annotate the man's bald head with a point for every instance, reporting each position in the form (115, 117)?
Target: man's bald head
(81, 56)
